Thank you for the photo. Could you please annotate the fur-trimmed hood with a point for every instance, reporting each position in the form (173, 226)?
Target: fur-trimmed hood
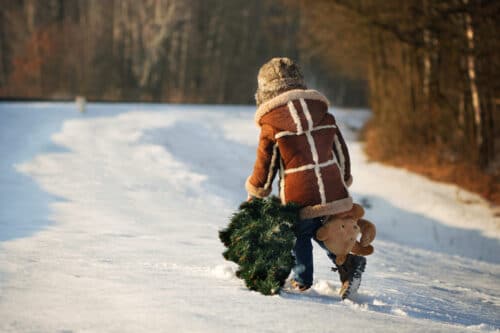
(286, 97)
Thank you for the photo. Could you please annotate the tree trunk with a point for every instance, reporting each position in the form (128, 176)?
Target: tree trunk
(474, 91)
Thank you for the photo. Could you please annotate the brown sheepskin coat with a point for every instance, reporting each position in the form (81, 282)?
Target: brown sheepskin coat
(301, 140)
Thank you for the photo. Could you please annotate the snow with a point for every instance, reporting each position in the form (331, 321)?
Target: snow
(109, 221)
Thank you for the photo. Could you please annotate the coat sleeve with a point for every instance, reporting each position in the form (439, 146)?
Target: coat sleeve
(342, 154)
(259, 184)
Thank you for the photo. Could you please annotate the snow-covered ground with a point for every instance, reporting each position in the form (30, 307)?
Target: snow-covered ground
(109, 221)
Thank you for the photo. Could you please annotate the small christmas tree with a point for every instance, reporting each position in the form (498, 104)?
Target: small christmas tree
(260, 238)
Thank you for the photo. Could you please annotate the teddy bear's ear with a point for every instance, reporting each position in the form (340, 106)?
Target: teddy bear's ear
(322, 233)
(340, 260)
(362, 251)
(357, 211)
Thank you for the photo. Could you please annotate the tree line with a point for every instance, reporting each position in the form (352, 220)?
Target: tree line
(186, 51)
(432, 68)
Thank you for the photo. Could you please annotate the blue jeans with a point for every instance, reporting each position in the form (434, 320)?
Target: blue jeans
(303, 250)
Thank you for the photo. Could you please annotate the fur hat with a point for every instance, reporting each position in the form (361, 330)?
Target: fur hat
(276, 76)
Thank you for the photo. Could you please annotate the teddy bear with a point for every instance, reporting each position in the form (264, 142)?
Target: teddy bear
(339, 234)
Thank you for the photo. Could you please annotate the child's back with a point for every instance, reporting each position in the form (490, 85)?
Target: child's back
(301, 140)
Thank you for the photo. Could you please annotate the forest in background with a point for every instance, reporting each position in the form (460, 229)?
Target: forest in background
(184, 51)
(432, 69)
(429, 70)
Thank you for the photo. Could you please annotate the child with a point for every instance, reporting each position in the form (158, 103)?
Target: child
(301, 140)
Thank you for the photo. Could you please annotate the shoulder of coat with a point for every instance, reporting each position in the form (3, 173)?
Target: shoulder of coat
(286, 97)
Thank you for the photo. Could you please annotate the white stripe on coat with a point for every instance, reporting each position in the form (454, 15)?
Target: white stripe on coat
(306, 113)
(282, 182)
(338, 148)
(314, 151)
(272, 166)
(295, 116)
(285, 133)
(310, 166)
(288, 133)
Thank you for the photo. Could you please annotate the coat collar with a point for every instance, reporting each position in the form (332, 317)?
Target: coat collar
(286, 97)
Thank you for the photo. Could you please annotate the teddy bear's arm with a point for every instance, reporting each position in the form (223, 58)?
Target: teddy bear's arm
(368, 232)
(362, 250)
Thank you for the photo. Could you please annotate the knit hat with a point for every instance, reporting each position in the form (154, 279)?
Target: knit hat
(277, 76)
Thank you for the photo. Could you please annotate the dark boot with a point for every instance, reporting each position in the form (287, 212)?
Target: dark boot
(350, 274)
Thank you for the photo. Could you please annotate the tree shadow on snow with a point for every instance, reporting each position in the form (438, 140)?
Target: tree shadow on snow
(25, 131)
(418, 231)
